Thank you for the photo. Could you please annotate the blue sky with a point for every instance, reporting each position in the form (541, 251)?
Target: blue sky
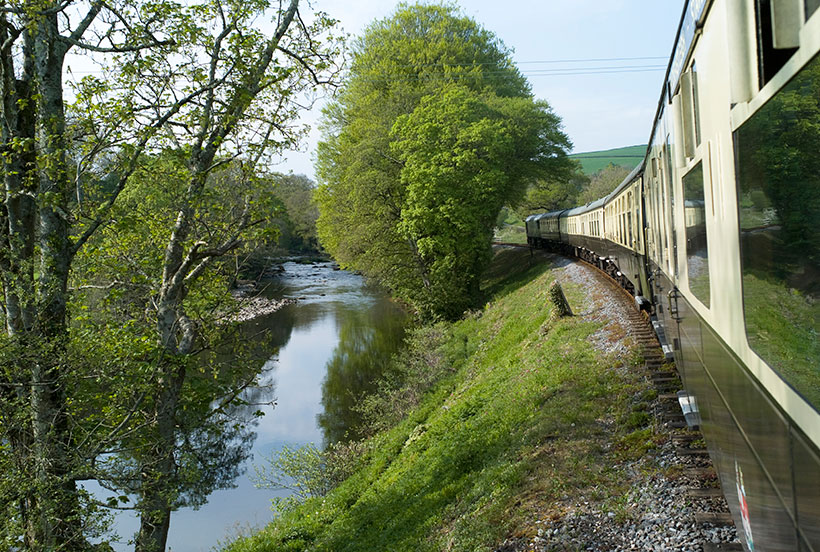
(599, 111)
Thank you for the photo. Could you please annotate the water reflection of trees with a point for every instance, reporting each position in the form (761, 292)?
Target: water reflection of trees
(219, 411)
(367, 341)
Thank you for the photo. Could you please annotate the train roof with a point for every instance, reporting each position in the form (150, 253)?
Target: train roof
(597, 204)
(553, 214)
(540, 216)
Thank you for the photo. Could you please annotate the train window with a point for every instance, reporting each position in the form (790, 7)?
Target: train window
(811, 7)
(769, 57)
(659, 237)
(629, 220)
(695, 106)
(697, 251)
(778, 172)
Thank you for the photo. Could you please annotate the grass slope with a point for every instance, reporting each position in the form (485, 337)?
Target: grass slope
(528, 417)
(594, 161)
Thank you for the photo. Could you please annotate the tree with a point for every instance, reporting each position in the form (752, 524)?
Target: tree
(201, 77)
(299, 225)
(603, 182)
(559, 192)
(117, 279)
(418, 158)
(40, 234)
(250, 84)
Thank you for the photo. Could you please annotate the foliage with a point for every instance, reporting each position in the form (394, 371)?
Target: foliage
(466, 464)
(308, 472)
(559, 192)
(512, 233)
(433, 133)
(298, 227)
(198, 78)
(299, 470)
(117, 276)
(602, 183)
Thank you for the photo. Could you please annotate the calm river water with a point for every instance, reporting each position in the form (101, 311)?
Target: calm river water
(325, 350)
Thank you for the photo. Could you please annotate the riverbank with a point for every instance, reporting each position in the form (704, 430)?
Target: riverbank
(520, 419)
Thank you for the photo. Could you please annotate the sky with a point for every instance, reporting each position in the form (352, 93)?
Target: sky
(579, 55)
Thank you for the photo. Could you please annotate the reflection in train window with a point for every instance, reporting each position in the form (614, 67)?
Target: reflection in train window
(697, 251)
(811, 7)
(778, 171)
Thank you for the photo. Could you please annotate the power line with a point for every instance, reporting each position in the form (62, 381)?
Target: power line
(565, 71)
(528, 62)
(587, 60)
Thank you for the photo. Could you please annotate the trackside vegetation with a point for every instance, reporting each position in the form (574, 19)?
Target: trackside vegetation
(518, 412)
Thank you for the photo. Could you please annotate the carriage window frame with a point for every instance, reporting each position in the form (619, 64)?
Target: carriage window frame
(697, 241)
(778, 207)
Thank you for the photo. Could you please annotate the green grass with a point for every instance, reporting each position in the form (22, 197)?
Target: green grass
(527, 419)
(511, 233)
(594, 161)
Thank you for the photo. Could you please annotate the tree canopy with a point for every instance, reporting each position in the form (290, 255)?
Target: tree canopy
(434, 131)
(201, 78)
(602, 183)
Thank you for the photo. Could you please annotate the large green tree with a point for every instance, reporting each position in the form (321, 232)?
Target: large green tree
(200, 76)
(434, 131)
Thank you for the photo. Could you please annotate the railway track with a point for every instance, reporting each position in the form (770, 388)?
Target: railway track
(694, 465)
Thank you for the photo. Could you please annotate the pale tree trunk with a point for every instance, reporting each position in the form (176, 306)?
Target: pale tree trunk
(57, 524)
(176, 332)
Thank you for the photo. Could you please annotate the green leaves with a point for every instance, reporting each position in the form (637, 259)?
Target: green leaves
(433, 133)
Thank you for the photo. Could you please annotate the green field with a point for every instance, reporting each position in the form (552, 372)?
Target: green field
(517, 413)
(594, 161)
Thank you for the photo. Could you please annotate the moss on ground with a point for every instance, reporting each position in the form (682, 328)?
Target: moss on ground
(527, 420)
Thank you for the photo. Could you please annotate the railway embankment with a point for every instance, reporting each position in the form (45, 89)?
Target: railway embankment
(511, 429)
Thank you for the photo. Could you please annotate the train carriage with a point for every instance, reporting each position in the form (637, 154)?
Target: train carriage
(717, 233)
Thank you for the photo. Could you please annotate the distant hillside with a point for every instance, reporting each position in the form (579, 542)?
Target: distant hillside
(594, 161)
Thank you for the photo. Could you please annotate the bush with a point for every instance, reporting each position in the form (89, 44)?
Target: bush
(309, 472)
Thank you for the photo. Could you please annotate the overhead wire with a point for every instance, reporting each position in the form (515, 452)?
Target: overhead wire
(534, 72)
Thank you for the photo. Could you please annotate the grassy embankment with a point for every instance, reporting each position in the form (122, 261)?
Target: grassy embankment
(594, 161)
(521, 415)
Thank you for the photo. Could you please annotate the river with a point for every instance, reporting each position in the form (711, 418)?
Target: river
(325, 349)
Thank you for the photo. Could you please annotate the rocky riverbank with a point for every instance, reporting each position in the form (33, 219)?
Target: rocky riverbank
(254, 307)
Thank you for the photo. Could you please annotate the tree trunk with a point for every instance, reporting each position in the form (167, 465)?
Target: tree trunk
(58, 524)
(157, 494)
